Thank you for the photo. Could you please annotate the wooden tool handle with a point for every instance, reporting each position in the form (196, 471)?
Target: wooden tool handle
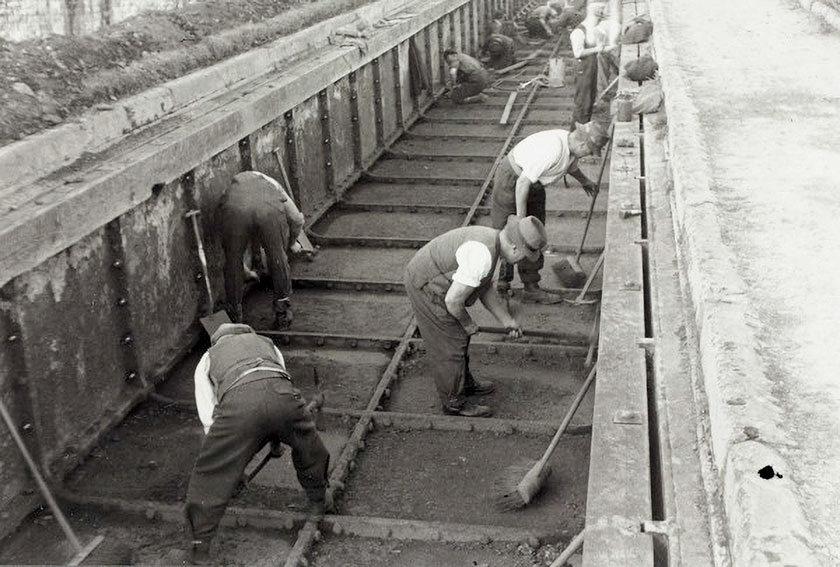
(597, 189)
(569, 415)
(202, 257)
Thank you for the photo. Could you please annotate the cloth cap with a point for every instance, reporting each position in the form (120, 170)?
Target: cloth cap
(527, 234)
(595, 135)
(230, 329)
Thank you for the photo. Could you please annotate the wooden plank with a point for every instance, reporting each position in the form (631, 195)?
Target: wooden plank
(508, 107)
(619, 491)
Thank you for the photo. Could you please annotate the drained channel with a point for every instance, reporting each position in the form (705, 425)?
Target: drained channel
(412, 486)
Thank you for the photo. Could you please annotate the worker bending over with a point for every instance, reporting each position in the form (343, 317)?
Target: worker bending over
(519, 188)
(539, 21)
(245, 400)
(445, 277)
(593, 47)
(467, 77)
(256, 208)
(501, 49)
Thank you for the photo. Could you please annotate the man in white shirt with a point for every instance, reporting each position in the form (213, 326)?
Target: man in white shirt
(445, 277)
(246, 399)
(594, 44)
(519, 188)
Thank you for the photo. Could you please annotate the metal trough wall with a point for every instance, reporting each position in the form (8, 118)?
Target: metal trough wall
(114, 298)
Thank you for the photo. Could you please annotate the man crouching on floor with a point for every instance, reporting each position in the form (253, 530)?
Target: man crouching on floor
(245, 400)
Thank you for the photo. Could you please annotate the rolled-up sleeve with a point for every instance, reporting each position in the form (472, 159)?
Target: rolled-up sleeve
(205, 397)
(474, 263)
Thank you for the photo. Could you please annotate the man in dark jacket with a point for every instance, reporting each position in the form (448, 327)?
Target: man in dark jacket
(445, 277)
(257, 209)
(245, 400)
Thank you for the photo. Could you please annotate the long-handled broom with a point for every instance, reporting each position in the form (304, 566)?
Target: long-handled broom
(569, 270)
(518, 493)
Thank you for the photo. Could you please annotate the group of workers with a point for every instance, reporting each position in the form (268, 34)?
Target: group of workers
(592, 33)
(244, 393)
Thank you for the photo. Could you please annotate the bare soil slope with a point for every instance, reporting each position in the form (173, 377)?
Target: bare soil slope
(44, 82)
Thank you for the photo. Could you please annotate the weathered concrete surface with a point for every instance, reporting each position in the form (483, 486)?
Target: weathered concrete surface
(752, 102)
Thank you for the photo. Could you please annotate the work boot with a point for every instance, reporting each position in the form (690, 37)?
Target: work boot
(282, 315)
(476, 99)
(534, 294)
(467, 409)
(475, 387)
(200, 553)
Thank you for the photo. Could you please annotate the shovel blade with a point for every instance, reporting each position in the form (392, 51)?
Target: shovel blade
(214, 321)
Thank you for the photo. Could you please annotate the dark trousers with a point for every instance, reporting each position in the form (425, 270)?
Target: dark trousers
(469, 85)
(503, 204)
(247, 222)
(445, 341)
(535, 28)
(247, 418)
(586, 83)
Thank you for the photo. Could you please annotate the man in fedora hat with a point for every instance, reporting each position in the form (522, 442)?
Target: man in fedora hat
(519, 189)
(445, 277)
(245, 400)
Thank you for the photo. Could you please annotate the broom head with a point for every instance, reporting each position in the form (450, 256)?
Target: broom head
(521, 485)
(570, 272)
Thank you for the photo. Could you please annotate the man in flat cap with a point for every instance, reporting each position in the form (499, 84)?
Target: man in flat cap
(445, 277)
(246, 400)
(519, 189)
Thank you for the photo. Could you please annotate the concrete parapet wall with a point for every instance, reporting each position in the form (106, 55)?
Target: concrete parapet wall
(99, 292)
(764, 521)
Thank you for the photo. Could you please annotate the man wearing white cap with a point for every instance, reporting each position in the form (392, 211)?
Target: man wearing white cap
(445, 277)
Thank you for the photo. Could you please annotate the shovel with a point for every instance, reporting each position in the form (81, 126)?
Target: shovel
(214, 320)
(569, 270)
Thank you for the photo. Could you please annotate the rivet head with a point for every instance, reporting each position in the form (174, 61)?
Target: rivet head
(27, 426)
(122, 302)
(199, 276)
(329, 164)
(12, 338)
(354, 343)
(117, 265)
(127, 340)
(320, 341)
(130, 375)
(326, 140)
(325, 117)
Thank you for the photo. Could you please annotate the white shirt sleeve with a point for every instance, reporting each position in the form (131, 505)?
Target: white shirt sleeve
(578, 40)
(205, 397)
(474, 263)
(538, 162)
